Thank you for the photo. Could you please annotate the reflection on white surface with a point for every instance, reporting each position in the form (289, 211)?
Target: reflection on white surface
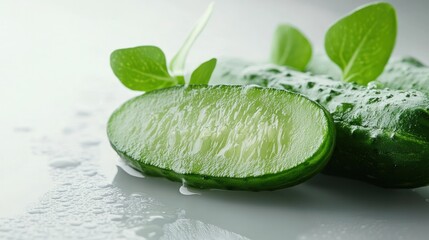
(24, 175)
(58, 175)
(192, 229)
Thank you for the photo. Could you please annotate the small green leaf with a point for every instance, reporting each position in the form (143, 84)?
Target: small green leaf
(202, 74)
(177, 64)
(290, 48)
(362, 42)
(142, 68)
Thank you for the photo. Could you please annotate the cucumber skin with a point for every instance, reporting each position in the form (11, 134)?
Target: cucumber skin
(405, 73)
(262, 183)
(382, 134)
(294, 176)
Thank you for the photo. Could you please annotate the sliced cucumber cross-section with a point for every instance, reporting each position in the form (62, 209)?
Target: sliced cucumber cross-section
(227, 137)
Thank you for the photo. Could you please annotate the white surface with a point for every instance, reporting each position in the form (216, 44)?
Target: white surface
(58, 175)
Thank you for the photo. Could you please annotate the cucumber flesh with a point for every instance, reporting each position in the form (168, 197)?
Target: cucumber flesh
(227, 137)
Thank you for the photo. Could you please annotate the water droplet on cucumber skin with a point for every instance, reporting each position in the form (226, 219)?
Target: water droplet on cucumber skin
(374, 85)
(246, 88)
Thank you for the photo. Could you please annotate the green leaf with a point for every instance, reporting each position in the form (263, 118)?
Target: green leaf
(362, 42)
(290, 48)
(177, 64)
(202, 74)
(142, 68)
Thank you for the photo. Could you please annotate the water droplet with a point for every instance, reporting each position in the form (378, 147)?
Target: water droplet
(98, 211)
(373, 85)
(246, 88)
(90, 173)
(83, 113)
(155, 218)
(97, 198)
(87, 144)
(61, 190)
(22, 129)
(105, 185)
(136, 195)
(118, 205)
(185, 191)
(131, 171)
(75, 222)
(110, 201)
(149, 232)
(62, 214)
(90, 225)
(106, 194)
(61, 209)
(64, 163)
(65, 204)
(116, 218)
(36, 211)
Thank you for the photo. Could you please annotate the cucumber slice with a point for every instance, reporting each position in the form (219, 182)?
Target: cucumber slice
(226, 137)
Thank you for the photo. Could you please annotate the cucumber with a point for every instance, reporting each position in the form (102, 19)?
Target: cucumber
(382, 134)
(405, 73)
(225, 137)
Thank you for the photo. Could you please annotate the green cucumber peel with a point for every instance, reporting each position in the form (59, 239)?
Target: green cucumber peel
(361, 43)
(290, 48)
(144, 68)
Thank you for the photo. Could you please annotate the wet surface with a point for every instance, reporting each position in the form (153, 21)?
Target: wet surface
(60, 179)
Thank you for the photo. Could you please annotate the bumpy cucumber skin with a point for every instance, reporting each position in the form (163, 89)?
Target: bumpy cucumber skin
(404, 73)
(290, 177)
(382, 134)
